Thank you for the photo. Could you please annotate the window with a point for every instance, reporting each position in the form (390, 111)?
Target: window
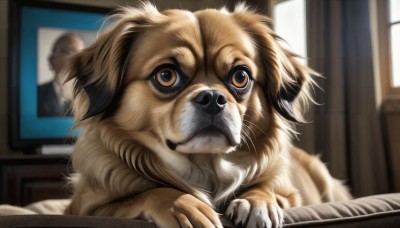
(289, 19)
(394, 31)
(387, 35)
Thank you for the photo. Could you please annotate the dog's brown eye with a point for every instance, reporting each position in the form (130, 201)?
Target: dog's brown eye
(166, 77)
(240, 78)
(167, 80)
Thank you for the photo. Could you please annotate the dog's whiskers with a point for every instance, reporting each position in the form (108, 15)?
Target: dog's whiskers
(249, 129)
(253, 124)
(252, 143)
(247, 134)
(244, 140)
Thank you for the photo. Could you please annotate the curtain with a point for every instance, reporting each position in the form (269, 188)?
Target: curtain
(345, 128)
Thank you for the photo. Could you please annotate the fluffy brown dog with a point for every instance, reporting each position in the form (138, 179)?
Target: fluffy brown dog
(187, 115)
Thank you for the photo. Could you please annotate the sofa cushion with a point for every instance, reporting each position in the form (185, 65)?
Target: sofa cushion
(373, 211)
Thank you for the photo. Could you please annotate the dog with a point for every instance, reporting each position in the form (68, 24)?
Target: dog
(187, 116)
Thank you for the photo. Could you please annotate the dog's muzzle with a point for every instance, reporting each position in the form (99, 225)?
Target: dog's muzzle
(209, 120)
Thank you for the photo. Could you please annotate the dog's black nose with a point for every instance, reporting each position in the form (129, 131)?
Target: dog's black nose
(211, 101)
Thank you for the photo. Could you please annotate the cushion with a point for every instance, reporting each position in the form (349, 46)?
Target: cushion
(373, 211)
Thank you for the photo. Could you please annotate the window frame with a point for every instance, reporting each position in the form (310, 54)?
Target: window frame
(384, 43)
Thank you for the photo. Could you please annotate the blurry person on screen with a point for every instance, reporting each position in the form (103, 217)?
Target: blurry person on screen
(54, 97)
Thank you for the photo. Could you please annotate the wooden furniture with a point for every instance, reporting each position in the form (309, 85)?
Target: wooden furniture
(29, 178)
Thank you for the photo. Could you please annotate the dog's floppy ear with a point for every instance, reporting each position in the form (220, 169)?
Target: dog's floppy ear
(99, 70)
(286, 80)
(285, 83)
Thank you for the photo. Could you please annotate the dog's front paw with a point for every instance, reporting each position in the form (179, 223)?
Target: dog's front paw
(171, 208)
(255, 213)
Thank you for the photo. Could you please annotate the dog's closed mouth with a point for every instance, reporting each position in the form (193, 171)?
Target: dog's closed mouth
(207, 131)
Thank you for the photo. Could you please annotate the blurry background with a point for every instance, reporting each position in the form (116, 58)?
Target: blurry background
(354, 44)
(46, 39)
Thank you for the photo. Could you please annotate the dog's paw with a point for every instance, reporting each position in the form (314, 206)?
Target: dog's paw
(172, 208)
(191, 212)
(254, 213)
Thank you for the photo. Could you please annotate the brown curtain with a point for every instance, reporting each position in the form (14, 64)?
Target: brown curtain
(345, 128)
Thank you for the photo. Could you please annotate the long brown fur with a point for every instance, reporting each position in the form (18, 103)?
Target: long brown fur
(123, 164)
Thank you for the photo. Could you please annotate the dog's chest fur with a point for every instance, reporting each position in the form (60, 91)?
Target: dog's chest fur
(209, 172)
(218, 176)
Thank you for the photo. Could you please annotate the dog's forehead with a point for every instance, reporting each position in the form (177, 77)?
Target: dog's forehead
(193, 40)
(217, 29)
(225, 42)
(220, 29)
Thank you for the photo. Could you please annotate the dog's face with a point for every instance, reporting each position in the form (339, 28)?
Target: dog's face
(194, 82)
(190, 81)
